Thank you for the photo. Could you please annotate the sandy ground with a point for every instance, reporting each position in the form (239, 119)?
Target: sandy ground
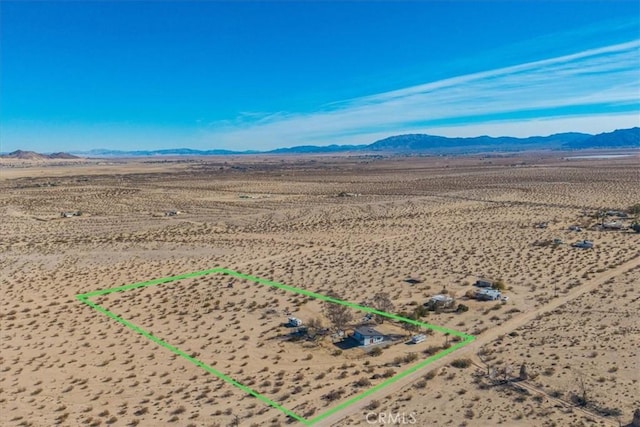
(355, 226)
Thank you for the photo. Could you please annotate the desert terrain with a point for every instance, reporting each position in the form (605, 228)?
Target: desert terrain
(357, 227)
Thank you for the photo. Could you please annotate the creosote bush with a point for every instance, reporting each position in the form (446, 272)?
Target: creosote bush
(461, 363)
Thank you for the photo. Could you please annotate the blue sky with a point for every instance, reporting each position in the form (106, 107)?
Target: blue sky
(258, 75)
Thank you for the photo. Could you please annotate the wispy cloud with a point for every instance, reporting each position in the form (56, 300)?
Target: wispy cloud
(598, 89)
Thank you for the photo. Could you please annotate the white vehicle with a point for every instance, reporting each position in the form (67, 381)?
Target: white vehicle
(294, 321)
(418, 338)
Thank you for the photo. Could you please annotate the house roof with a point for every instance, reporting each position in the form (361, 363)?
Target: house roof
(367, 331)
(488, 292)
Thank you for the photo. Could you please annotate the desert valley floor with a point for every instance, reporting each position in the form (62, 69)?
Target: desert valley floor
(361, 226)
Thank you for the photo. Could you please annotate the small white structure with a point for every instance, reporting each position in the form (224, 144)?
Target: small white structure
(295, 322)
(488, 294)
(418, 338)
(613, 225)
(439, 301)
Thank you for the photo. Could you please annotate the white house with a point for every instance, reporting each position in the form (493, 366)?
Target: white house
(367, 336)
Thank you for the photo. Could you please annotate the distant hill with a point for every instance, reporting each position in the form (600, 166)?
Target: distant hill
(621, 138)
(24, 155)
(398, 144)
(431, 143)
(32, 155)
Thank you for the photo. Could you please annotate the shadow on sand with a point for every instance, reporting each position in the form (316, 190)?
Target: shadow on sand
(347, 343)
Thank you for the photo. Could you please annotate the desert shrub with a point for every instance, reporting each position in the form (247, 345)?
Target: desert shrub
(376, 351)
(141, 411)
(499, 285)
(410, 357)
(373, 405)
(333, 395)
(557, 394)
(461, 363)
(179, 410)
(431, 350)
(363, 382)
(607, 412)
(462, 308)
(538, 398)
(420, 311)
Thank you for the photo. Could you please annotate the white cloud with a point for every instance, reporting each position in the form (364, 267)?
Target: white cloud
(568, 93)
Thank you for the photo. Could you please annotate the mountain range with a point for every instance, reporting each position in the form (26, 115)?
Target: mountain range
(32, 155)
(400, 144)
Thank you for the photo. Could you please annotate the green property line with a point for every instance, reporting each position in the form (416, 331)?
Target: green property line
(466, 339)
